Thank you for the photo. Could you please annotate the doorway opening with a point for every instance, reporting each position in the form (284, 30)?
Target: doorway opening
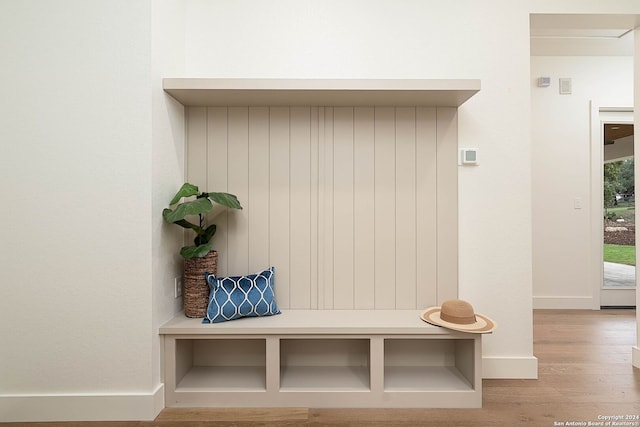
(619, 251)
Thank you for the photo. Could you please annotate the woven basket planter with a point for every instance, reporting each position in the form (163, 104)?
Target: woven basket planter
(196, 290)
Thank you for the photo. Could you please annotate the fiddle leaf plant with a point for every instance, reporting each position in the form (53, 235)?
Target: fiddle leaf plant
(200, 206)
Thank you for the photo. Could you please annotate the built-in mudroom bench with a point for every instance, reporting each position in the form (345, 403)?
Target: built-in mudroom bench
(321, 358)
(350, 190)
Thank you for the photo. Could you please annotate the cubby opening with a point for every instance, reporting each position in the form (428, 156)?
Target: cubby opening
(220, 365)
(324, 365)
(429, 365)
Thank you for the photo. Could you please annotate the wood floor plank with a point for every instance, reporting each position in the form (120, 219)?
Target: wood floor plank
(585, 372)
(234, 414)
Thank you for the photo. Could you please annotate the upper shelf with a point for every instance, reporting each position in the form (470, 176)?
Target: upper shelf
(199, 92)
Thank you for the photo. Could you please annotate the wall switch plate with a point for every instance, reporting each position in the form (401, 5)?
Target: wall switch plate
(565, 86)
(177, 292)
(577, 203)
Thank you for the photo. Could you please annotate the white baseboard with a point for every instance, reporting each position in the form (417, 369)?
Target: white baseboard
(158, 400)
(525, 368)
(556, 303)
(635, 357)
(82, 407)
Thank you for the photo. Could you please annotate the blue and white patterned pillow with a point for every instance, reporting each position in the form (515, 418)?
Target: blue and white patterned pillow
(240, 296)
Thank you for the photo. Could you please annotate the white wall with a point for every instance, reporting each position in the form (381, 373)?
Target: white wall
(93, 149)
(168, 161)
(75, 174)
(561, 158)
(429, 39)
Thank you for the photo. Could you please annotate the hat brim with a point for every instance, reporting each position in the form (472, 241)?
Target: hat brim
(482, 325)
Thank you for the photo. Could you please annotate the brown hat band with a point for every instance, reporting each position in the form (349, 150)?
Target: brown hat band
(458, 320)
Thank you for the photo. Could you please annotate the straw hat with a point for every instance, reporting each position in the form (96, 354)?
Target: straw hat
(458, 315)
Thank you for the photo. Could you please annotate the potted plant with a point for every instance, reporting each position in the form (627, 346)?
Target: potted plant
(199, 258)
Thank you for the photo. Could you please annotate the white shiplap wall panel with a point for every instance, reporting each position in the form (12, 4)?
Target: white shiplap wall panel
(426, 210)
(355, 207)
(279, 204)
(385, 208)
(326, 234)
(364, 212)
(258, 170)
(196, 157)
(238, 184)
(314, 205)
(217, 166)
(197, 151)
(300, 208)
(406, 193)
(343, 213)
(447, 203)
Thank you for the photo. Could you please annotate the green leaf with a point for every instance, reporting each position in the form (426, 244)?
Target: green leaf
(225, 199)
(186, 224)
(194, 207)
(204, 236)
(187, 190)
(209, 232)
(165, 212)
(195, 251)
(182, 222)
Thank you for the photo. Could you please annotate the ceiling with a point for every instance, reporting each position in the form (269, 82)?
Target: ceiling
(618, 142)
(614, 131)
(582, 35)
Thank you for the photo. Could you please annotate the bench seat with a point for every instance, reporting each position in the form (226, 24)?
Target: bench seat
(321, 358)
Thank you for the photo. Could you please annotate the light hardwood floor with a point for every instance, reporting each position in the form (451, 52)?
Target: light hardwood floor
(585, 373)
